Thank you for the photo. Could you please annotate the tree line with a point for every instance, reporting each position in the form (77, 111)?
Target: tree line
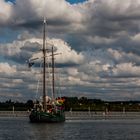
(77, 104)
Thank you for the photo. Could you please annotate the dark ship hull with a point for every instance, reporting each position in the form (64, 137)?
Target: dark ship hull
(39, 116)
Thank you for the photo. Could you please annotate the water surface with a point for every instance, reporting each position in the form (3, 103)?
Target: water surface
(22, 129)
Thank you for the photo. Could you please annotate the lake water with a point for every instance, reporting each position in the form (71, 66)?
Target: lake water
(22, 129)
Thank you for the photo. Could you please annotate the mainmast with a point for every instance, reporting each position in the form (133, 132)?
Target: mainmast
(44, 65)
(53, 91)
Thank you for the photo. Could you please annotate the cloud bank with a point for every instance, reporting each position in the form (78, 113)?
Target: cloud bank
(98, 41)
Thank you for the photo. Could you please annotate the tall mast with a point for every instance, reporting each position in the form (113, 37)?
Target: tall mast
(44, 65)
(53, 73)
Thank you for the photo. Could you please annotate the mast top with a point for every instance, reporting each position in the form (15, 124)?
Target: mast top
(44, 20)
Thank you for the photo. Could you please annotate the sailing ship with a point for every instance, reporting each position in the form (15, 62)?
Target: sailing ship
(49, 109)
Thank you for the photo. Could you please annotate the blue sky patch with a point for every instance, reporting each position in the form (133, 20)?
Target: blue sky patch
(10, 0)
(75, 1)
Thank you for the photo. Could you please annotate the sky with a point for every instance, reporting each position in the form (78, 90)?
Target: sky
(75, 1)
(99, 42)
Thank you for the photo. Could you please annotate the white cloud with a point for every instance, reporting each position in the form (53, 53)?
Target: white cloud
(17, 81)
(126, 69)
(121, 56)
(101, 40)
(5, 11)
(45, 8)
(72, 71)
(20, 49)
(6, 68)
(116, 54)
(120, 8)
(67, 54)
(136, 38)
